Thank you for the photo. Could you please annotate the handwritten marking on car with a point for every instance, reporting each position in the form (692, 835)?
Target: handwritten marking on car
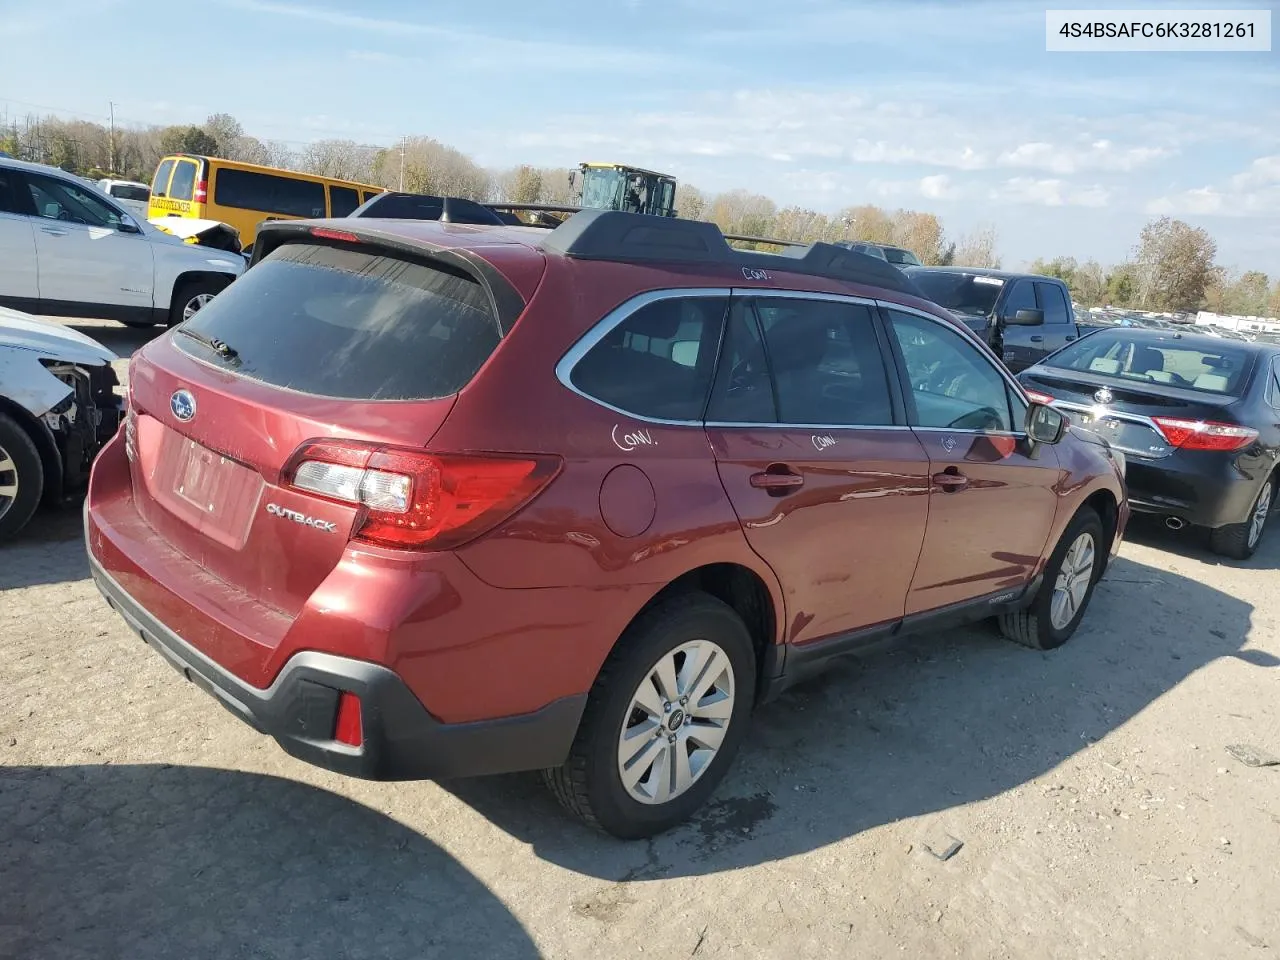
(948, 444)
(324, 526)
(629, 441)
(751, 273)
(822, 442)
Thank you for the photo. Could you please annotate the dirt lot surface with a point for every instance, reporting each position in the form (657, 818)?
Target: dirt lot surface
(1099, 810)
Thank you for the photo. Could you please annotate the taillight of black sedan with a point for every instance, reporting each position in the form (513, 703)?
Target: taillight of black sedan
(1197, 417)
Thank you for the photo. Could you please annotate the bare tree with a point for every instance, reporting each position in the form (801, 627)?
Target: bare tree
(691, 204)
(977, 249)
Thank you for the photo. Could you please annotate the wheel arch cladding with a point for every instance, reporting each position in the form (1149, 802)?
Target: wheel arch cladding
(740, 588)
(188, 277)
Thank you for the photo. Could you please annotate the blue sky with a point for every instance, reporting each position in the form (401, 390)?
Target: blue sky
(954, 108)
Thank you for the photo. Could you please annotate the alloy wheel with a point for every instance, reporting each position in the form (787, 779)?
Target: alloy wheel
(676, 722)
(1073, 581)
(8, 481)
(1261, 510)
(195, 305)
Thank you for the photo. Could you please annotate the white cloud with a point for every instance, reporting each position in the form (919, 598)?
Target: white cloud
(938, 186)
(1049, 193)
(1098, 155)
(1254, 192)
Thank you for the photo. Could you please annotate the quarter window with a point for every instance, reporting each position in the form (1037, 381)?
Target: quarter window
(826, 363)
(952, 384)
(659, 361)
(342, 200)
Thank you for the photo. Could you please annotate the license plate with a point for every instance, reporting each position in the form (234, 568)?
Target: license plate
(197, 479)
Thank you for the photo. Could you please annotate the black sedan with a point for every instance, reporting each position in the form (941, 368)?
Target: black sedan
(1197, 418)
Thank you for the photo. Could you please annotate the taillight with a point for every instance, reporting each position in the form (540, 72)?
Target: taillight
(202, 192)
(1205, 434)
(410, 498)
(1035, 396)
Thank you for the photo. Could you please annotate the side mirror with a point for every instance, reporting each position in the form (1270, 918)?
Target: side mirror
(1045, 424)
(129, 225)
(1025, 318)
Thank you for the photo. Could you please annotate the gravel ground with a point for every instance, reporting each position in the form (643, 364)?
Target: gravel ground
(1099, 810)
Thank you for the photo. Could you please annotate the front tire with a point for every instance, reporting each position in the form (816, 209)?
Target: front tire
(663, 721)
(1239, 541)
(21, 477)
(1069, 578)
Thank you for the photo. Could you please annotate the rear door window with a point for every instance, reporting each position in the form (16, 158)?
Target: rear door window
(658, 362)
(269, 193)
(342, 200)
(827, 365)
(183, 184)
(160, 185)
(387, 329)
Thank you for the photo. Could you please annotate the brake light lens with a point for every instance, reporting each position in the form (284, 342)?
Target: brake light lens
(326, 233)
(1035, 396)
(418, 500)
(202, 192)
(1205, 434)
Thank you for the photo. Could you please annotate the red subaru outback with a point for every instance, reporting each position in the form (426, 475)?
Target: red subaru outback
(422, 500)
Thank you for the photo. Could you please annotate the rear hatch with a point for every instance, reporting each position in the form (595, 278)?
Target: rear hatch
(319, 339)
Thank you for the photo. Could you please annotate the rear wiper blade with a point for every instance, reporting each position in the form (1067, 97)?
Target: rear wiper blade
(220, 347)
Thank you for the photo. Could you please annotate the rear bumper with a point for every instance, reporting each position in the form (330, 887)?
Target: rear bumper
(401, 740)
(1207, 490)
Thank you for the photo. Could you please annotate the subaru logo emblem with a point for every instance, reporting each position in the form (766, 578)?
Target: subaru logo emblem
(183, 405)
(1104, 396)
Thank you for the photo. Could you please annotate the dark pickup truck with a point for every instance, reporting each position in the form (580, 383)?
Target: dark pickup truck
(1022, 316)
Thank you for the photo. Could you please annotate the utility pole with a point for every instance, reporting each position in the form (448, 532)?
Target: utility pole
(403, 141)
(112, 158)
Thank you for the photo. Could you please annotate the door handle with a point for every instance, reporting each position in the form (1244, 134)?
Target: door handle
(951, 482)
(1071, 337)
(54, 231)
(777, 482)
(1036, 338)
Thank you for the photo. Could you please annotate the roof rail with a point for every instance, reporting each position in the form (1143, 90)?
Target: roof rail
(613, 235)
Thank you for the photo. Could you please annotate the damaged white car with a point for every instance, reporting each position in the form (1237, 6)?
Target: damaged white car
(58, 407)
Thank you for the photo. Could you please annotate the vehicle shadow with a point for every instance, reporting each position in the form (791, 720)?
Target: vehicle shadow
(118, 338)
(1193, 542)
(49, 549)
(155, 861)
(942, 721)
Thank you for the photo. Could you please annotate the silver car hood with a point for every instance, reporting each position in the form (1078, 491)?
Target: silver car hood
(52, 340)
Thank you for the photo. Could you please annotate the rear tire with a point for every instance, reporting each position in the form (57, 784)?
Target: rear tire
(1239, 541)
(192, 296)
(21, 477)
(1050, 620)
(671, 740)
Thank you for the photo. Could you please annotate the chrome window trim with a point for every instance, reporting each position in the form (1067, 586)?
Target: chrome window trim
(765, 293)
(620, 313)
(749, 425)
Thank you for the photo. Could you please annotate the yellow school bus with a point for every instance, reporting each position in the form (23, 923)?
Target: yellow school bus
(246, 194)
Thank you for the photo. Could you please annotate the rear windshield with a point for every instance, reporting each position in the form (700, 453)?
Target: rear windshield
(129, 191)
(399, 207)
(961, 292)
(349, 324)
(1221, 368)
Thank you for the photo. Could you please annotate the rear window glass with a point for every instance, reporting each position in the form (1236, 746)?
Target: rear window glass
(183, 184)
(1222, 368)
(349, 324)
(393, 207)
(342, 200)
(160, 185)
(268, 193)
(128, 191)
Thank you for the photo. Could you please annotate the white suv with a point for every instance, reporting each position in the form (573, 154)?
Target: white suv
(67, 249)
